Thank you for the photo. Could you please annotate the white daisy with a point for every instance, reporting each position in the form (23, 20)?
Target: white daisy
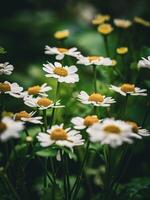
(144, 63)
(61, 52)
(12, 89)
(37, 90)
(127, 88)
(42, 103)
(94, 60)
(111, 132)
(28, 117)
(122, 23)
(61, 137)
(82, 123)
(6, 68)
(63, 74)
(138, 130)
(10, 128)
(95, 99)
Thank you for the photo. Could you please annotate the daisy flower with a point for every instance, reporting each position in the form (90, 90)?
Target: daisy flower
(37, 90)
(100, 19)
(138, 130)
(42, 103)
(94, 60)
(62, 74)
(122, 50)
(111, 132)
(144, 63)
(105, 29)
(6, 68)
(141, 21)
(122, 23)
(61, 137)
(127, 88)
(10, 128)
(12, 89)
(27, 117)
(60, 35)
(61, 52)
(82, 123)
(95, 99)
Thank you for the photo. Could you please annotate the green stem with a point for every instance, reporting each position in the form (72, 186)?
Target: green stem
(94, 72)
(76, 185)
(45, 120)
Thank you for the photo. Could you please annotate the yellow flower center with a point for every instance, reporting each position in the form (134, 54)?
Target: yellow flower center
(126, 87)
(59, 134)
(105, 29)
(44, 102)
(96, 97)
(99, 19)
(134, 126)
(60, 71)
(2, 127)
(62, 34)
(114, 62)
(93, 58)
(5, 87)
(34, 90)
(62, 50)
(122, 50)
(21, 114)
(112, 129)
(90, 120)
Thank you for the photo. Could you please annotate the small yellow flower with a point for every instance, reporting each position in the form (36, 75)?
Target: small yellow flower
(105, 29)
(61, 34)
(29, 139)
(100, 19)
(122, 23)
(142, 21)
(114, 62)
(122, 50)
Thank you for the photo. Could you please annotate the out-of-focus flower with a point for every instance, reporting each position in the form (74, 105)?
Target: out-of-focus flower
(10, 128)
(142, 21)
(12, 89)
(61, 52)
(61, 137)
(28, 117)
(100, 19)
(105, 29)
(42, 103)
(95, 99)
(94, 60)
(144, 63)
(122, 23)
(82, 123)
(62, 74)
(6, 68)
(61, 34)
(136, 129)
(122, 50)
(29, 139)
(37, 90)
(111, 132)
(114, 62)
(130, 89)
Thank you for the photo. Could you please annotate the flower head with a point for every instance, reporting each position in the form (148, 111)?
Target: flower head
(141, 21)
(111, 132)
(6, 68)
(144, 63)
(105, 29)
(12, 89)
(10, 128)
(100, 19)
(27, 117)
(62, 74)
(61, 34)
(122, 23)
(61, 137)
(130, 89)
(61, 52)
(82, 123)
(122, 50)
(95, 99)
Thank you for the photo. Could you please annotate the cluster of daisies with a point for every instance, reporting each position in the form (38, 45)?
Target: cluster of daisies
(106, 131)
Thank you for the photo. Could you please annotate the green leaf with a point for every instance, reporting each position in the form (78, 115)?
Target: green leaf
(2, 50)
(47, 152)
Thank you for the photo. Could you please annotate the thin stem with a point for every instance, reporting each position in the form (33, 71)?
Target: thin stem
(45, 120)
(94, 72)
(76, 185)
(64, 176)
